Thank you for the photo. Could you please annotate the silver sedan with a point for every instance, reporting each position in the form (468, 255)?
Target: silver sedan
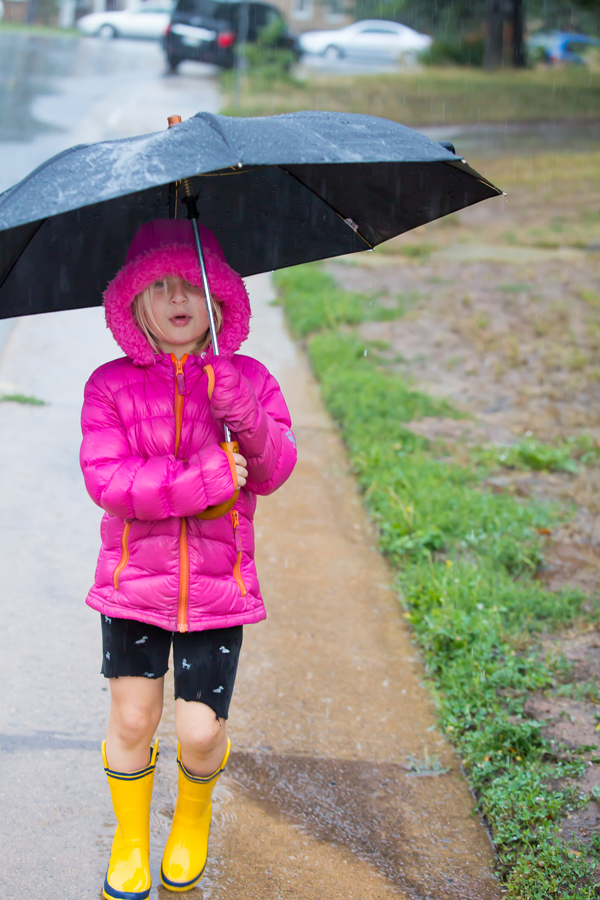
(147, 19)
(369, 39)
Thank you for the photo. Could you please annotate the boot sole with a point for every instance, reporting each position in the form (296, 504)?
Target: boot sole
(174, 886)
(110, 893)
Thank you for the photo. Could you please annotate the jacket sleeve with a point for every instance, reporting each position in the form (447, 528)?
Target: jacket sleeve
(269, 445)
(136, 487)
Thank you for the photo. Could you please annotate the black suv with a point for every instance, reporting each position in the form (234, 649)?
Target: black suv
(207, 30)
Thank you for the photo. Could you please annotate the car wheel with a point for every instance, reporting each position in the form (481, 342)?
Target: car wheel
(173, 64)
(332, 52)
(107, 32)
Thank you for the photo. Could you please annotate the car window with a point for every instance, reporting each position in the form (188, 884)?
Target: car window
(151, 8)
(379, 31)
(227, 11)
(209, 9)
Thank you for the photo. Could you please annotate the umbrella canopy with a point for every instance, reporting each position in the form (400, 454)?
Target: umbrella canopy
(276, 191)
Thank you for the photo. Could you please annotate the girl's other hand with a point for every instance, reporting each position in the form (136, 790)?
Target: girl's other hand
(233, 399)
(242, 471)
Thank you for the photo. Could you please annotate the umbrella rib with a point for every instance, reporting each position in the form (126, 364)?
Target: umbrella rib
(463, 166)
(327, 203)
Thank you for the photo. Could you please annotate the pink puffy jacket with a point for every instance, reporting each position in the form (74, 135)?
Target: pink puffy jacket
(152, 474)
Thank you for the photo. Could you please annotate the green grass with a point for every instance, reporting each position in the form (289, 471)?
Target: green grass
(313, 301)
(38, 30)
(434, 96)
(21, 398)
(465, 561)
(562, 456)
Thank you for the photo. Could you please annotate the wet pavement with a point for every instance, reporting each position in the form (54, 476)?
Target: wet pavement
(497, 139)
(311, 63)
(339, 785)
(57, 92)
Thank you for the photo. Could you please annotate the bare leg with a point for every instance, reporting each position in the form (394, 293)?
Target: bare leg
(135, 711)
(203, 737)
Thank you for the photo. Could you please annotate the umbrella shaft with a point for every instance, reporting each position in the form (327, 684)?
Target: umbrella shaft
(207, 296)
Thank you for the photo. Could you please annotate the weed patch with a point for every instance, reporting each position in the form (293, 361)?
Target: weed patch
(24, 399)
(466, 562)
(313, 302)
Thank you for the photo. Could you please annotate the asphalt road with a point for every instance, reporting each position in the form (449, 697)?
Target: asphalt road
(313, 62)
(56, 92)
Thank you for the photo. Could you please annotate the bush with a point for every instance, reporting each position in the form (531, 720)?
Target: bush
(267, 60)
(456, 50)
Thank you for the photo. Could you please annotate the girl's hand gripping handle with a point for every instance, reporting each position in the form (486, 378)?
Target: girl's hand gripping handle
(230, 448)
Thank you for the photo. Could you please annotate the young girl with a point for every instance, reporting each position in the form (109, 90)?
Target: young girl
(152, 424)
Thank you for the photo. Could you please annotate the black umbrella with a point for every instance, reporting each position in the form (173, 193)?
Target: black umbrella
(276, 191)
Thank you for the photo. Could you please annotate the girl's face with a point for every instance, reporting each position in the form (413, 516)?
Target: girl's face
(179, 310)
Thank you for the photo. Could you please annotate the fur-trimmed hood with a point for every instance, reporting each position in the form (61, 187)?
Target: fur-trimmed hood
(166, 247)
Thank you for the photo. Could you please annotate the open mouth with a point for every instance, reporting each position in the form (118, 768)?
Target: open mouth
(180, 321)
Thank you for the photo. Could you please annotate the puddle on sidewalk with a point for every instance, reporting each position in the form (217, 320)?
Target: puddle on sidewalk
(373, 810)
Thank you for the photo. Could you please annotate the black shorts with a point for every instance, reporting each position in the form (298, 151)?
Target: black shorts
(204, 662)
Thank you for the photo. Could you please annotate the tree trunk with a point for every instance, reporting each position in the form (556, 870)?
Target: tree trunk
(519, 57)
(494, 38)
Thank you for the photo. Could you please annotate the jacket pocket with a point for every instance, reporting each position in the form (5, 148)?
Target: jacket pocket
(237, 569)
(124, 553)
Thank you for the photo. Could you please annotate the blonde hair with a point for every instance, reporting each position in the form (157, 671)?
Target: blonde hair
(141, 308)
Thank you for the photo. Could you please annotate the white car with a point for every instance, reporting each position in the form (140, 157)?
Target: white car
(148, 19)
(371, 38)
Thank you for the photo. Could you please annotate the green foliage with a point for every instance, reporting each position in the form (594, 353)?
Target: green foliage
(455, 50)
(442, 17)
(39, 30)
(415, 251)
(466, 561)
(538, 455)
(392, 10)
(269, 62)
(562, 456)
(533, 454)
(552, 870)
(584, 448)
(313, 302)
(21, 398)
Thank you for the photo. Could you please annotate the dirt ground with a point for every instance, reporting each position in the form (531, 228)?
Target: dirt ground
(503, 319)
(516, 346)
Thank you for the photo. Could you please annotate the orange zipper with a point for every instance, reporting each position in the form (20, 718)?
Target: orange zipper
(184, 578)
(124, 553)
(179, 396)
(184, 556)
(237, 569)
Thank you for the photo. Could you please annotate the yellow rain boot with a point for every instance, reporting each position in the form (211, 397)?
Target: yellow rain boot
(128, 875)
(185, 855)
